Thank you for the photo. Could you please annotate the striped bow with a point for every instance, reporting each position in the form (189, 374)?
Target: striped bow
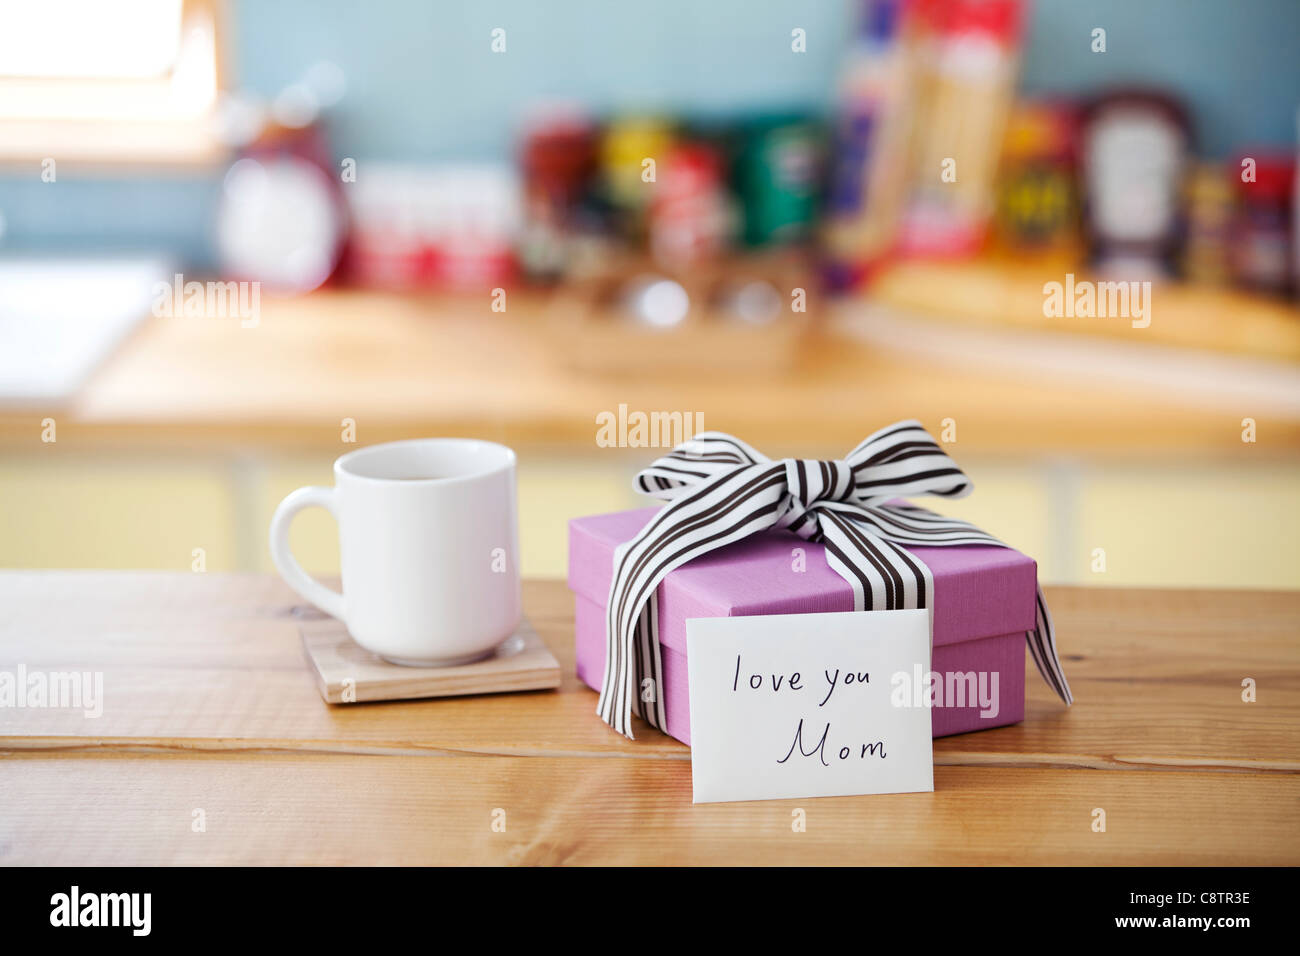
(721, 490)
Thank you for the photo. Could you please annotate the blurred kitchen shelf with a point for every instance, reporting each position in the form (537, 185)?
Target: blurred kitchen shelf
(702, 329)
(991, 294)
(1211, 349)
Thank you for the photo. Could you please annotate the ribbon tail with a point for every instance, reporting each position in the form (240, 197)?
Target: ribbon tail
(650, 698)
(724, 508)
(620, 669)
(1042, 646)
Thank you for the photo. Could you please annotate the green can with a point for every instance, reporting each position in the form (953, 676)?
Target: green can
(778, 176)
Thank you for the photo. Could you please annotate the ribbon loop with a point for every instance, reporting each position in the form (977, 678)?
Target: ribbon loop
(721, 490)
(903, 460)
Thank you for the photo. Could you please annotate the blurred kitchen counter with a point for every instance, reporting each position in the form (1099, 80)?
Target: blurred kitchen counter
(401, 366)
(178, 450)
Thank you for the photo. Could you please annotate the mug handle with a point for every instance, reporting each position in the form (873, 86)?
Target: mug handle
(327, 599)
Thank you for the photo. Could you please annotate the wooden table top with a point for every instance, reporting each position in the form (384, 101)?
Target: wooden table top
(213, 746)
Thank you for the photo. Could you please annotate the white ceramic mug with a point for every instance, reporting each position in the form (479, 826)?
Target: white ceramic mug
(429, 543)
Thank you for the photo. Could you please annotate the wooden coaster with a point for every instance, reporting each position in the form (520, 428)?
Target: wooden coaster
(347, 673)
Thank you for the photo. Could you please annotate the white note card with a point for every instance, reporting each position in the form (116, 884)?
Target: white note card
(802, 705)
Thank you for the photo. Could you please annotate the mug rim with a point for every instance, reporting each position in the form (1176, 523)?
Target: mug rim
(341, 463)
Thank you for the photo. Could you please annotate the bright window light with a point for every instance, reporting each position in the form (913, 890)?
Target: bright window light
(126, 39)
(120, 80)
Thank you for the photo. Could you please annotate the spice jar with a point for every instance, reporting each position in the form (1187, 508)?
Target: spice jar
(1261, 235)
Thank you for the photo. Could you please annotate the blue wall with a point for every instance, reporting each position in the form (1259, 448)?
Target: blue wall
(423, 83)
(1235, 62)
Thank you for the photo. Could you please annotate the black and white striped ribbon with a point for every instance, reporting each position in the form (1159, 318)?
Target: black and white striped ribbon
(721, 490)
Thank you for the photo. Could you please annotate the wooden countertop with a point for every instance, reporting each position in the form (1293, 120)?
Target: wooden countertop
(401, 366)
(209, 706)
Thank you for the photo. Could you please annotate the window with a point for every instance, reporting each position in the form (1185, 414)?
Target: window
(127, 81)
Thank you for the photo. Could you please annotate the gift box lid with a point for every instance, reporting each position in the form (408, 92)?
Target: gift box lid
(980, 591)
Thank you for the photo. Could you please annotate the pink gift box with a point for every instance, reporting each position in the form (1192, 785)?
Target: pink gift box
(984, 603)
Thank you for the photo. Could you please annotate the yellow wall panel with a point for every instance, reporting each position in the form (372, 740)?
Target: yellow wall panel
(1176, 525)
(69, 512)
(1014, 504)
(551, 491)
(314, 535)
(1209, 526)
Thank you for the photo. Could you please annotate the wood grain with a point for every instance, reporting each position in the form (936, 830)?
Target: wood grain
(348, 673)
(208, 703)
(315, 809)
(194, 661)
